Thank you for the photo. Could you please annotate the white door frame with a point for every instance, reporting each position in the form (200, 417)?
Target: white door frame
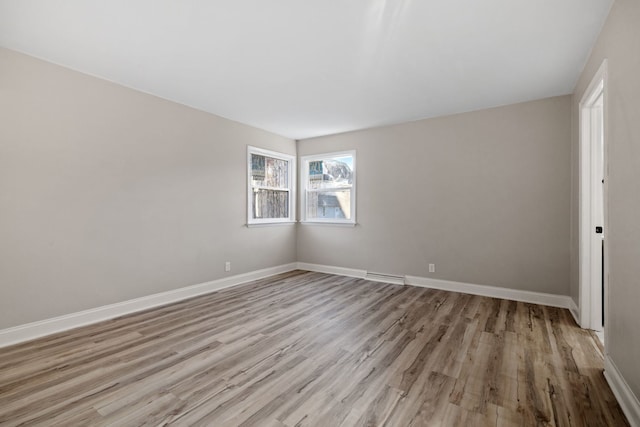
(589, 297)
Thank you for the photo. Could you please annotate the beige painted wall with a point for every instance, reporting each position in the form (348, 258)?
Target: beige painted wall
(108, 194)
(619, 42)
(483, 195)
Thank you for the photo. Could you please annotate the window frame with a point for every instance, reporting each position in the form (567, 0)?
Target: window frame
(291, 159)
(304, 176)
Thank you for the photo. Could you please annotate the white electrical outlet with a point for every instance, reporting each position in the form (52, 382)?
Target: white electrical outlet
(227, 266)
(432, 268)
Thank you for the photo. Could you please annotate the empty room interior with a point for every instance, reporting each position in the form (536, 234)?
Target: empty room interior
(320, 213)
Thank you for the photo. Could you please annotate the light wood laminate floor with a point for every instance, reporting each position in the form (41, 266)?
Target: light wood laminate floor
(303, 349)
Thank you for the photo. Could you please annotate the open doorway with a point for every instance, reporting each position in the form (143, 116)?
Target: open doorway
(593, 190)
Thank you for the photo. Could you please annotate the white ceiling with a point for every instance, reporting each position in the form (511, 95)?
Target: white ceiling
(304, 68)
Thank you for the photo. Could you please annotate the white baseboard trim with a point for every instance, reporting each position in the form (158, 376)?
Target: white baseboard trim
(627, 400)
(329, 269)
(552, 300)
(575, 312)
(45, 327)
(562, 301)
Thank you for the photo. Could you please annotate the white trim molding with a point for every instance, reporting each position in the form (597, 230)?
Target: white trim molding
(45, 327)
(589, 301)
(562, 301)
(329, 269)
(29, 331)
(553, 300)
(575, 311)
(627, 400)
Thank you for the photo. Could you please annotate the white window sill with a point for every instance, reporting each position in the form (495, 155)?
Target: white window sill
(270, 224)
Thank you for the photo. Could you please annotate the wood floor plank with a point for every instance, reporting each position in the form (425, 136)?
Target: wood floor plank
(312, 349)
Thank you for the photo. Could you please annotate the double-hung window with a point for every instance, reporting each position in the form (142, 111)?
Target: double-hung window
(270, 192)
(329, 182)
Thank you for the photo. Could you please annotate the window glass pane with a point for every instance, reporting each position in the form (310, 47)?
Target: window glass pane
(330, 173)
(329, 204)
(269, 172)
(270, 203)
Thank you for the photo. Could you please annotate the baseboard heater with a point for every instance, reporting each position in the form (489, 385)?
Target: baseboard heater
(386, 278)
